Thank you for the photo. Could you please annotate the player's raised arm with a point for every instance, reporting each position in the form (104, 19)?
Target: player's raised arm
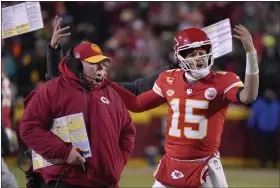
(251, 85)
(146, 101)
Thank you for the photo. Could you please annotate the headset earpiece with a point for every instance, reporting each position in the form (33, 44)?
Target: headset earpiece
(73, 63)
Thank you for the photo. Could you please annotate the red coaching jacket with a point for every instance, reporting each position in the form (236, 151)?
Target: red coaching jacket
(109, 127)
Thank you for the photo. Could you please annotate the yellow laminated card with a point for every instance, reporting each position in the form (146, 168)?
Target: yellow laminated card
(70, 129)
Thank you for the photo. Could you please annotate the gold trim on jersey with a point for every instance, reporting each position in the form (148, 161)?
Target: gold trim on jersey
(157, 90)
(236, 84)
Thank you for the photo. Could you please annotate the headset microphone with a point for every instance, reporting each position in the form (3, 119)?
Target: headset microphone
(95, 79)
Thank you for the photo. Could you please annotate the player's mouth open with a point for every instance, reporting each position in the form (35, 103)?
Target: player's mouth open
(200, 66)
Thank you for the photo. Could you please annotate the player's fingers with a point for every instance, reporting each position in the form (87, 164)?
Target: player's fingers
(237, 27)
(58, 24)
(55, 23)
(238, 31)
(244, 29)
(63, 29)
(55, 20)
(64, 35)
(236, 36)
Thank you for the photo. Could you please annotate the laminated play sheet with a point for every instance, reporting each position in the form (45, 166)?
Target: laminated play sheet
(70, 129)
(220, 36)
(21, 18)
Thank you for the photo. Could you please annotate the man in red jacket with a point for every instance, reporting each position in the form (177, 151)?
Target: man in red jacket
(80, 88)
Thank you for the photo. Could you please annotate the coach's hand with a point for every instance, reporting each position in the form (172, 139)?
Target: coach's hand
(245, 37)
(75, 157)
(58, 32)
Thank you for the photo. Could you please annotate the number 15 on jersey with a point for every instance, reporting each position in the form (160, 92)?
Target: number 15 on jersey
(189, 117)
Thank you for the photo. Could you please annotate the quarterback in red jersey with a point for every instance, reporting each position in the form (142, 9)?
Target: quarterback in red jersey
(198, 99)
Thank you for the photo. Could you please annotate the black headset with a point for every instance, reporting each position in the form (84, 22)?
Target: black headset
(73, 63)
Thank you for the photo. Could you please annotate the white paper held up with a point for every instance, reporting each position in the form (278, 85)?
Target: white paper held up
(21, 18)
(220, 36)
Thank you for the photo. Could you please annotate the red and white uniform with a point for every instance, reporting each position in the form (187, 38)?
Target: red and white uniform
(196, 113)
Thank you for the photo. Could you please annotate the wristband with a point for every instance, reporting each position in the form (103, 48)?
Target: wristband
(252, 66)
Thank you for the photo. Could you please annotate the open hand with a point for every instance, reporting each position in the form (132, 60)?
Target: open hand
(58, 32)
(245, 37)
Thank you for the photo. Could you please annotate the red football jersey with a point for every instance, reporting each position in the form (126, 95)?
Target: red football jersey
(196, 113)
